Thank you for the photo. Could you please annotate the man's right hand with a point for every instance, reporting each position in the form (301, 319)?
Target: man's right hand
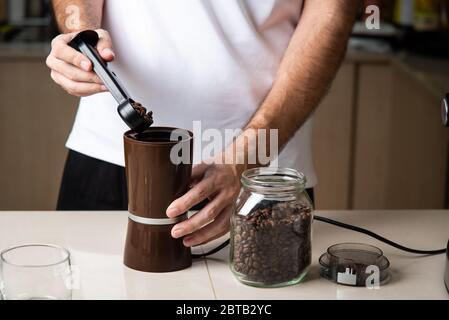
(72, 70)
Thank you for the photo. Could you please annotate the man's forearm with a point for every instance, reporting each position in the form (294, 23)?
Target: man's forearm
(76, 15)
(307, 69)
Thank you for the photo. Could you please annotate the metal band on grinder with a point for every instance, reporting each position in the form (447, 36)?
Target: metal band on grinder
(156, 222)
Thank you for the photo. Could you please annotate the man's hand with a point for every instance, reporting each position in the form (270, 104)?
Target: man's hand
(220, 183)
(72, 70)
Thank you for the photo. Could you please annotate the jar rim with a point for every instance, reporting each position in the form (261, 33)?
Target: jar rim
(273, 179)
(65, 255)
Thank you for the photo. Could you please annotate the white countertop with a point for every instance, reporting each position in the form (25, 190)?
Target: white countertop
(96, 240)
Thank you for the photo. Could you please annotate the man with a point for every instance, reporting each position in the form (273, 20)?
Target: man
(249, 64)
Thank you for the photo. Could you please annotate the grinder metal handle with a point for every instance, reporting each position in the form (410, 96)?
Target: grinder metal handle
(85, 42)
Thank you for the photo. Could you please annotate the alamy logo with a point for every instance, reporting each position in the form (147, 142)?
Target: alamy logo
(72, 22)
(250, 146)
(373, 280)
(349, 277)
(372, 21)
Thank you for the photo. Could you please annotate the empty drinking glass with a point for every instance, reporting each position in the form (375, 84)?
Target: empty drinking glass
(35, 272)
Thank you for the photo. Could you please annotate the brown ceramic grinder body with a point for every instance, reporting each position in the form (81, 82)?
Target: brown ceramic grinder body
(153, 182)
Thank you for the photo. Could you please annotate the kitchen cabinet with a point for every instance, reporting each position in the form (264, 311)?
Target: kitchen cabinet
(383, 146)
(331, 141)
(401, 149)
(372, 137)
(35, 119)
(418, 148)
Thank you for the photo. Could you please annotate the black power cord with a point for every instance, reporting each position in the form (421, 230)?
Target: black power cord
(214, 250)
(378, 237)
(345, 226)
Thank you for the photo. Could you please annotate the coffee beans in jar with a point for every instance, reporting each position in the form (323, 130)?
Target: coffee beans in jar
(271, 228)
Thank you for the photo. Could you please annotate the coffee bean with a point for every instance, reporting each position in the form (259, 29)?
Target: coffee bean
(142, 111)
(272, 243)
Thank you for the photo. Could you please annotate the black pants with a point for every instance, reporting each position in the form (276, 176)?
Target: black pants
(92, 184)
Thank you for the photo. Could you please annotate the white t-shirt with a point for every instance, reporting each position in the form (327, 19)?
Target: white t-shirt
(189, 60)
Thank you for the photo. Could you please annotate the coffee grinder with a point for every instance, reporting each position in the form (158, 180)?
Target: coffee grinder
(158, 167)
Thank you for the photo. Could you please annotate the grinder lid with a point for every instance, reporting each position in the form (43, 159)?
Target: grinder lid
(355, 264)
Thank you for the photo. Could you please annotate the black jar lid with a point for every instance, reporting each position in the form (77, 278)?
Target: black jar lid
(355, 264)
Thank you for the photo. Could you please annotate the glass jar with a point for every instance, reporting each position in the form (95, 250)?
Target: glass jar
(271, 228)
